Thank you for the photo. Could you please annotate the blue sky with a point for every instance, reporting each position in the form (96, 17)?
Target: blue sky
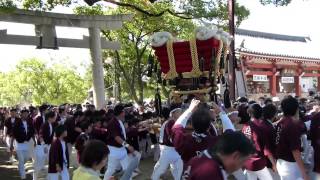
(298, 18)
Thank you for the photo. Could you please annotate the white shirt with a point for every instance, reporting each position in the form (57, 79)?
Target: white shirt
(62, 120)
(43, 119)
(64, 152)
(13, 120)
(50, 126)
(21, 146)
(25, 126)
(162, 131)
(123, 129)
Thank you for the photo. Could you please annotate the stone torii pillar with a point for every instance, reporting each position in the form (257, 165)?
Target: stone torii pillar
(45, 23)
(97, 68)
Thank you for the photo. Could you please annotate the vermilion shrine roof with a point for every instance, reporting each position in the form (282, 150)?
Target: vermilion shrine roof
(276, 46)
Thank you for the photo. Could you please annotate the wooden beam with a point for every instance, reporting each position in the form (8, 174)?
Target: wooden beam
(314, 68)
(311, 75)
(260, 66)
(111, 22)
(286, 66)
(251, 73)
(62, 42)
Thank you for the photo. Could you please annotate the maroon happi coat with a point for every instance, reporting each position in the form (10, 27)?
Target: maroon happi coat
(56, 156)
(45, 133)
(315, 141)
(19, 132)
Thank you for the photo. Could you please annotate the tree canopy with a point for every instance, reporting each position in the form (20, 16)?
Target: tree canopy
(34, 82)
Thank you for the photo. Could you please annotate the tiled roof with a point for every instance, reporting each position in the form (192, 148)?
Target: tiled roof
(282, 37)
(276, 45)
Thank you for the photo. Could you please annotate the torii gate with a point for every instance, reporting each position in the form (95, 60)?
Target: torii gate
(46, 37)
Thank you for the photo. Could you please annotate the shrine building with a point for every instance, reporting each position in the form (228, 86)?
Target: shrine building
(276, 64)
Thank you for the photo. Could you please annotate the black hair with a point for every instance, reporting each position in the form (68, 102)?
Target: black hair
(243, 100)
(78, 114)
(118, 109)
(269, 111)
(230, 142)
(133, 121)
(32, 109)
(43, 107)
(256, 111)
(13, 110)
(252, 102)
(165, 112)
(61, 109)
(128, 117)
(102, 112)
(59, 130)
(201, 119)
(243, 114)
(94, 152)
(289, 106)
(24, 111)
(268, 101)
(84, 125)
(87, 113)
(311, 93)
(50, 114)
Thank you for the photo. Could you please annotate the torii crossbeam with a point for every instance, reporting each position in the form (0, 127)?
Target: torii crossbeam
(45, 23)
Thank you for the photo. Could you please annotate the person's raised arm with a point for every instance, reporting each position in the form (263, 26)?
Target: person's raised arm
(226, 122)
(183, 119)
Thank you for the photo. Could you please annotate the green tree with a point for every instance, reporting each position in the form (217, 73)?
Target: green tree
(186, 9)
(129, 63)
(34, 82)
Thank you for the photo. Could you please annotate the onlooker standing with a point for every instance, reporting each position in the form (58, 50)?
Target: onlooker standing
(93, 159)
(315, 142)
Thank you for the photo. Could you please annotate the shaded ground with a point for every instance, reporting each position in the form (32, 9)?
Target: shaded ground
(9, 171)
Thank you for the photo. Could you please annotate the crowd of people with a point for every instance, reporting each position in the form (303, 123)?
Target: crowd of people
(251, 140)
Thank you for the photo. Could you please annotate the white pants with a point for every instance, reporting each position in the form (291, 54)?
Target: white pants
(168, 156)
(156, 152)
(64, 174)
(8, 143)
(274, 175)
(117, 156)
(40, 156)
(261, 174)
(72, 155)
(23, 157)
(31, 148)
(144, 149)
(288, 170)
(315, 176)
(239, 175)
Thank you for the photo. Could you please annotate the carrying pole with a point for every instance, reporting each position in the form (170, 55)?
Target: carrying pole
(232, 62)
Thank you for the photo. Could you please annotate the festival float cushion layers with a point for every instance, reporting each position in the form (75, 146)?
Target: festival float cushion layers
(182, 55)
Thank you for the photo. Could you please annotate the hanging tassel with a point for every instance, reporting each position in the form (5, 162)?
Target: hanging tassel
(150, 66)
(227, 64)
(159, 78)
(157, 100)
(164, 82)
(223, 79)
(222, 65)
(155, 68)
(226, 98)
